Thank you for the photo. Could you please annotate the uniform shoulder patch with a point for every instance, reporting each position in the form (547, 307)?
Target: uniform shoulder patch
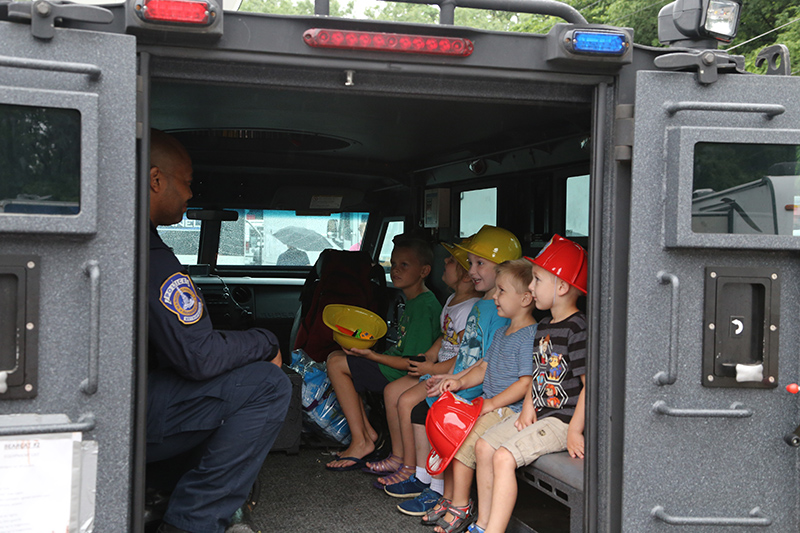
(179, 296)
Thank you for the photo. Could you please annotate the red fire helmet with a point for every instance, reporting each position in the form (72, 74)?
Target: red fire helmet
(566, 260)
(449, 421)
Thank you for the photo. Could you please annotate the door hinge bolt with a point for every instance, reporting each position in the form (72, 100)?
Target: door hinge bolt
(43, 8)
(711, 326)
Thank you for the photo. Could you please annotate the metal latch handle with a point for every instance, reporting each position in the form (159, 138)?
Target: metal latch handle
(669, 377)
(756, 519)
(734, 411)
(770, 110)
(92, 270)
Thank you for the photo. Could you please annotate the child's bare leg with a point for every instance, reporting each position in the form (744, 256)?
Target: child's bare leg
(361, 443)
(407, 401)
(504, 491)
(484, 477)
(391, 396)
(421, 445)
(448, 483)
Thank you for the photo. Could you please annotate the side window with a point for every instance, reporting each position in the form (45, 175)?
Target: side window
(577, 209)
(392, 228)
(477, 208)
(183, 238)
(746, 189)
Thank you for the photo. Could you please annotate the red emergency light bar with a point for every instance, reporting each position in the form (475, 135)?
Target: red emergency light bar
(388, 42)
(177, 11)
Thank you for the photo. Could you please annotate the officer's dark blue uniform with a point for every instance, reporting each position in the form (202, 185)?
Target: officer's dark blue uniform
(210, 388)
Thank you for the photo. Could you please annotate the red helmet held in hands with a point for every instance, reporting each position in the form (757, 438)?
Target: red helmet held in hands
(449, 421)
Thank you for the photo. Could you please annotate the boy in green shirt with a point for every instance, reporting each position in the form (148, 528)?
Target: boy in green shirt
(354, 371)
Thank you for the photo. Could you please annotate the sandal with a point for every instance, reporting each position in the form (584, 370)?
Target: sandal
(401, 474)
(385, 466)
(433, 516)
(462, 518)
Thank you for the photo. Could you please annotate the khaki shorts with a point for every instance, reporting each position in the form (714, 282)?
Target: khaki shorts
(466, 453)
(548, 435)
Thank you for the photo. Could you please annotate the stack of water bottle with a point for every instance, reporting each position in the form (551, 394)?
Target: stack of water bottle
(321, 412)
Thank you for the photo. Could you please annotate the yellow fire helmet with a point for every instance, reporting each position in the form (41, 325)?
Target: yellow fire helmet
(494, 244)
(458, 253)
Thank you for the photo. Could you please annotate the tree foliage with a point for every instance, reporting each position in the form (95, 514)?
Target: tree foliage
(760, 18)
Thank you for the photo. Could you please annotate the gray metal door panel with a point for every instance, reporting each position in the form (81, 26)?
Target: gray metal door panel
(697, 457)
(85, 264)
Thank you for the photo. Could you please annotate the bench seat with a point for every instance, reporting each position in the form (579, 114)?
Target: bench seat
(561, 477)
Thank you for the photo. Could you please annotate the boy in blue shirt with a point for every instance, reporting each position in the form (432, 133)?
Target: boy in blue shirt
(505, 374)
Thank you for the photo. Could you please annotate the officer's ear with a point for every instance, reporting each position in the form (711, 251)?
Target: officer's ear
(156, 179)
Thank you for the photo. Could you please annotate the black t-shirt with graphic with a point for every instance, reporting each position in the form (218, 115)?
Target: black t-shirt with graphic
(559, 361)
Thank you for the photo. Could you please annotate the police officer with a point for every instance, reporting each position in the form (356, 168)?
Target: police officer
(220, 393)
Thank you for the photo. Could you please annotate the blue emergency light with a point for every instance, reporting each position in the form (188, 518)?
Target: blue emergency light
(599, 42)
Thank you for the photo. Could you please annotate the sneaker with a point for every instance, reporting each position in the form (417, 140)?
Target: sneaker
(406, 489)
(420, 505)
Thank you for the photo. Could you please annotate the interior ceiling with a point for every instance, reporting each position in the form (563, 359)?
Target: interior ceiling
(346, 132)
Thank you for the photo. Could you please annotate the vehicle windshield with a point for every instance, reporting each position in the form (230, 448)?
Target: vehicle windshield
(262, 237)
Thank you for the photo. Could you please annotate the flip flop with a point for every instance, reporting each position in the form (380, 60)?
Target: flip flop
(358, 463)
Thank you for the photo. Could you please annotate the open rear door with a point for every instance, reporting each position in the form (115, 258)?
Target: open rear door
(713, 324)
(68, 257)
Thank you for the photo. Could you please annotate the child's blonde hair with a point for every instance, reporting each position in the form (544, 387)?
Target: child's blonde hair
(519, 271)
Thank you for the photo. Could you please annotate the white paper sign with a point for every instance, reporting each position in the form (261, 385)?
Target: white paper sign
(36, 482)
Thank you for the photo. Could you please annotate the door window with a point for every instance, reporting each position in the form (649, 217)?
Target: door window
(746, 189)
(40, 160)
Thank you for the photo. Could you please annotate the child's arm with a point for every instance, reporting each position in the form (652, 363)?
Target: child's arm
(470, 379)
(528, 414)
(513, 393)
(429, 365)
(393, 361)
(575, 440)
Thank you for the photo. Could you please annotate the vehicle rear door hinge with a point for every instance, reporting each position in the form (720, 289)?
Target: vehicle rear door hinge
(707, 63)
(623, 132)
(139, 106)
